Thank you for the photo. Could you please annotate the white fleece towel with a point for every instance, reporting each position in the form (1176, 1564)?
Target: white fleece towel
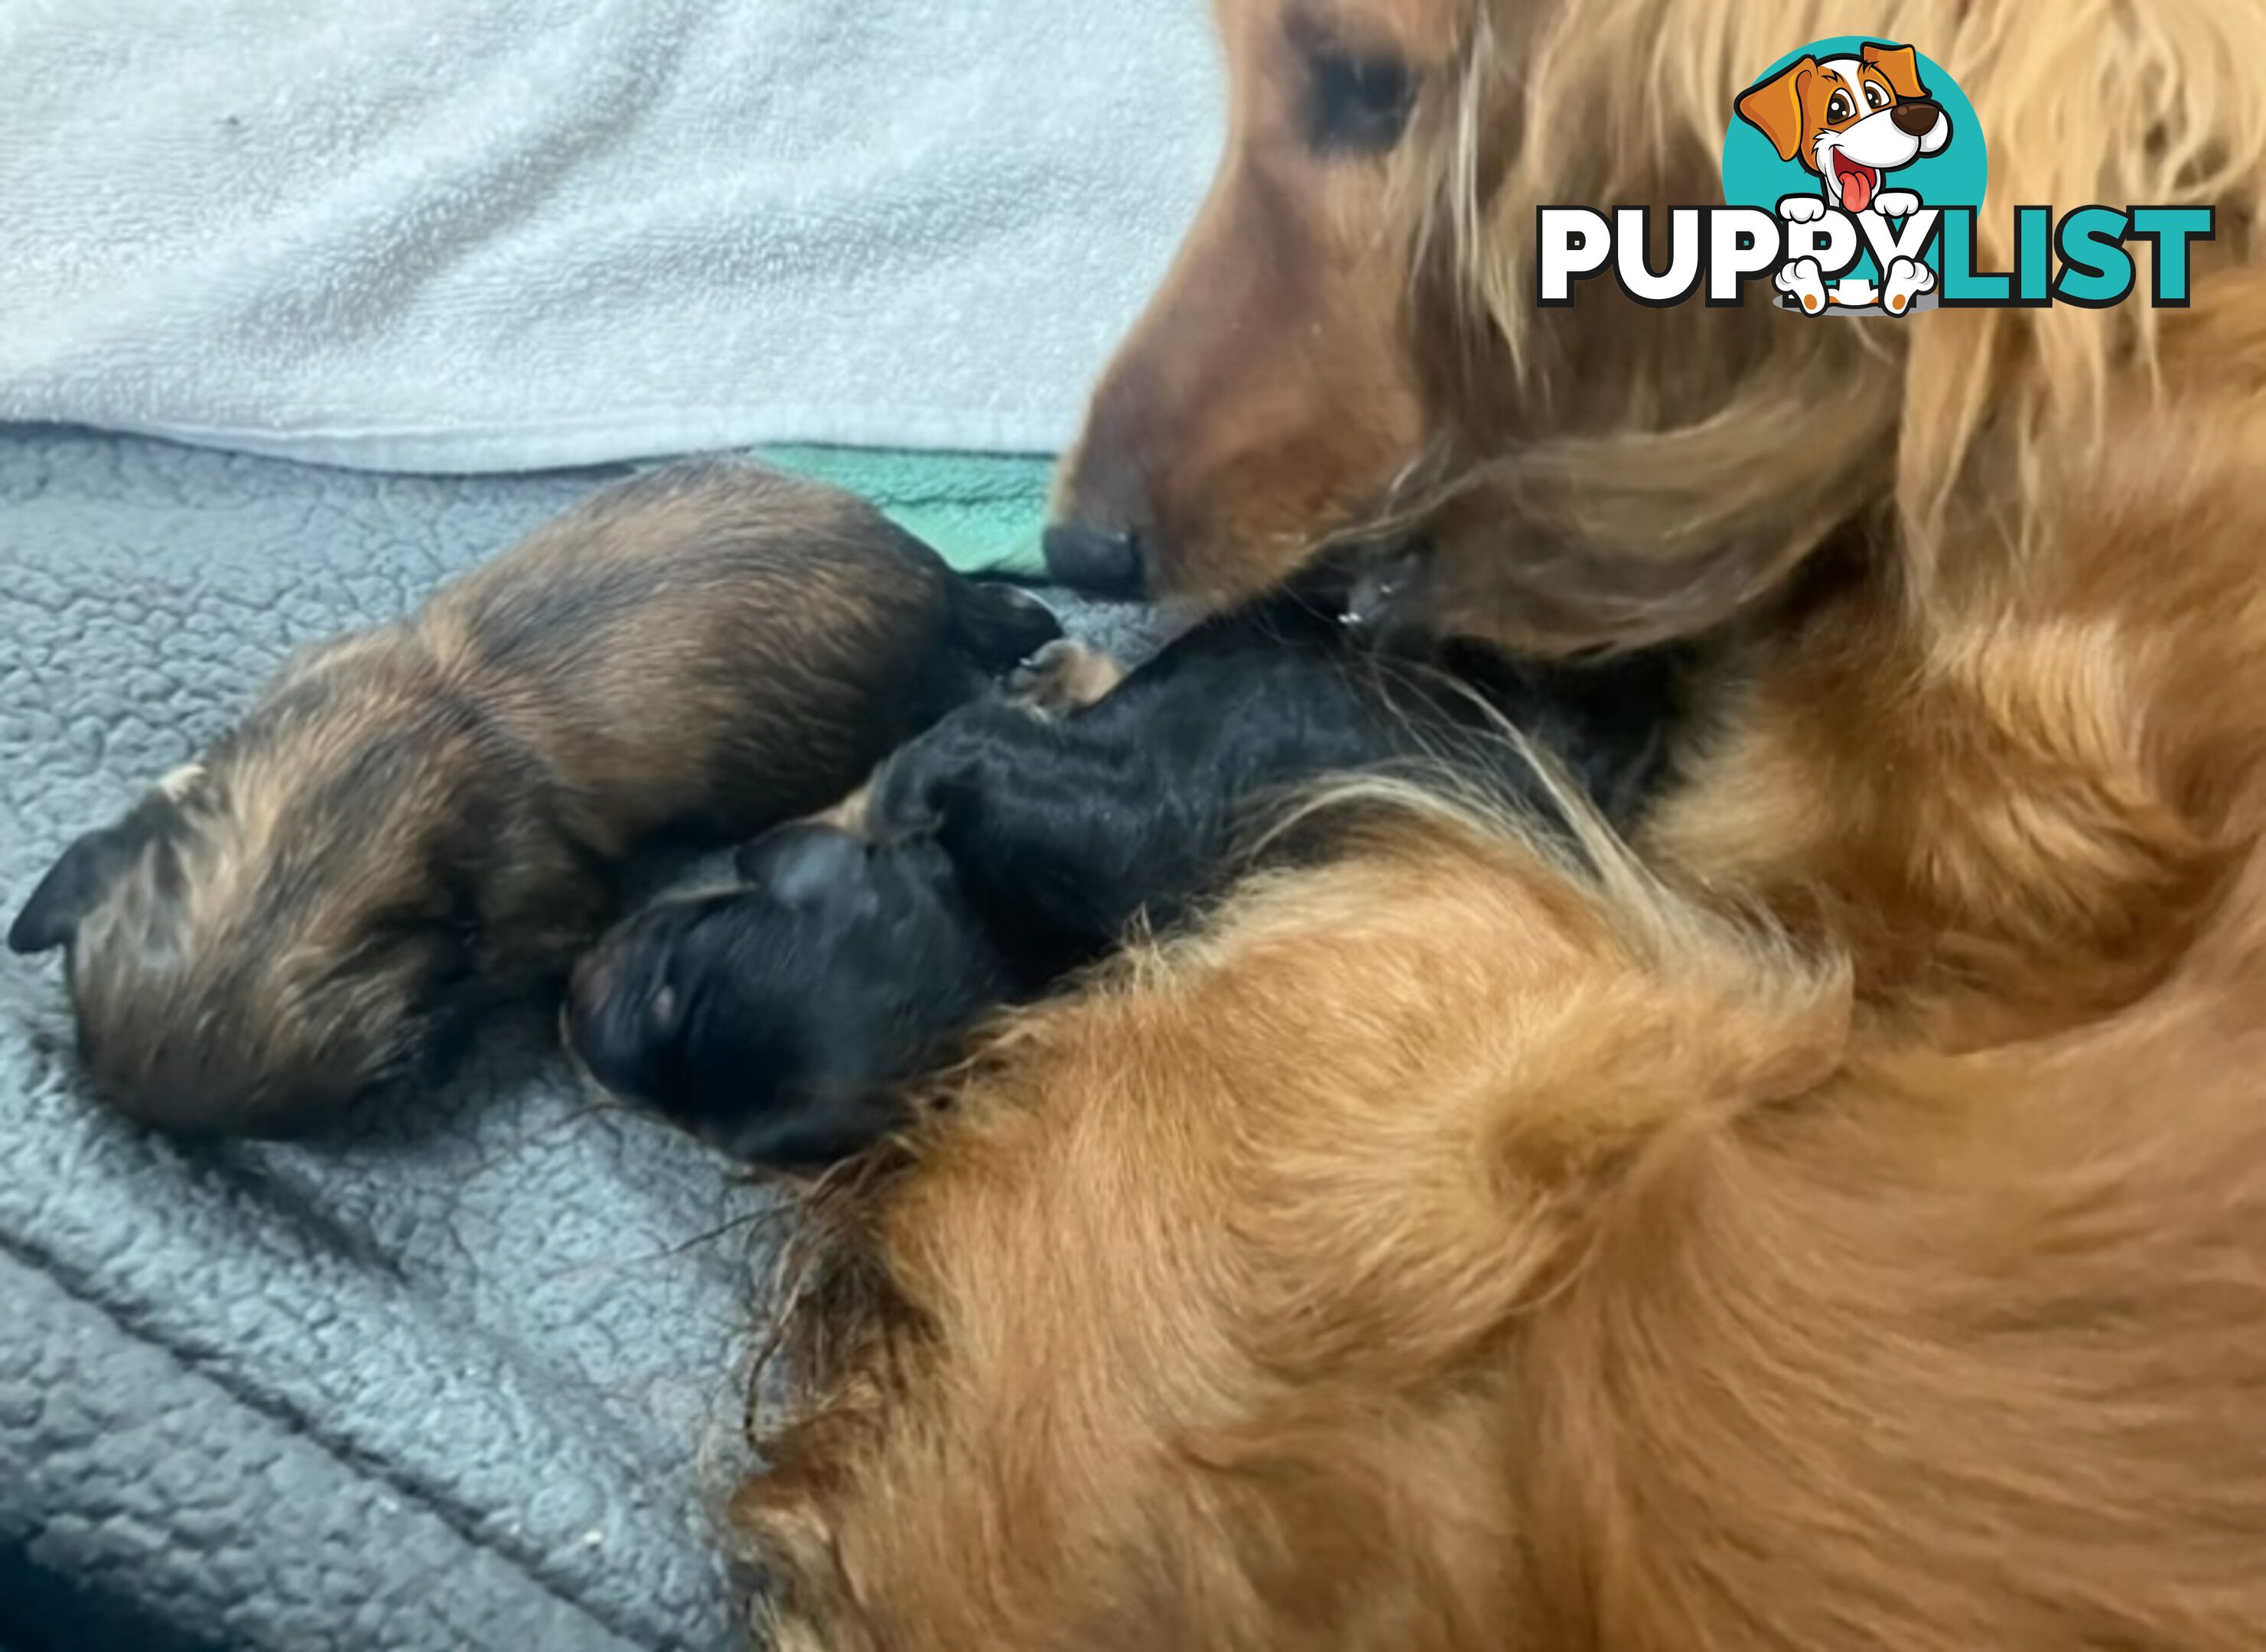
(494, 235)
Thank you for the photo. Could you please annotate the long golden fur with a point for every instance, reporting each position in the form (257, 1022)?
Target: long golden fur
(1840, 1222)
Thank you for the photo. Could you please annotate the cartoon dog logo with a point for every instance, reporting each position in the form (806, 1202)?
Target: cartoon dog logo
(1851, 121)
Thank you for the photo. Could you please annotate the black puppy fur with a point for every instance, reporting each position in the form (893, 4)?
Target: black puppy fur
(771, 1020)
(1005, 847)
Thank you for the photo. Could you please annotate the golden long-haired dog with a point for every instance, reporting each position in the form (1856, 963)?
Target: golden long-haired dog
(1839, 1222)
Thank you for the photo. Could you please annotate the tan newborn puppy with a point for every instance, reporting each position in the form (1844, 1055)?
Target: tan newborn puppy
(415, 821)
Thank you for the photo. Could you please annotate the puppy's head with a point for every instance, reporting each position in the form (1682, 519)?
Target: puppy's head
(772, 1020)
(1852, 121)
(310, 913)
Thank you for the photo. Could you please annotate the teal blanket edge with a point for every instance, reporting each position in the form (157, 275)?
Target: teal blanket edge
(982, 511)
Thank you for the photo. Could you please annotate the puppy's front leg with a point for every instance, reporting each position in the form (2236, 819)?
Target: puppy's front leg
(1060, 833)
(1064, 676)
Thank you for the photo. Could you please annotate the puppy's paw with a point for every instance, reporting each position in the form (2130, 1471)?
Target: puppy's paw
(1804, 281)
(1908, 279)
(1802, 208)
(949, 770)
(1895, 203)
(1063, 676)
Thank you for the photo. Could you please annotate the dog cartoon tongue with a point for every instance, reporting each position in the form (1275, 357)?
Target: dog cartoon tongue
(1856, 183)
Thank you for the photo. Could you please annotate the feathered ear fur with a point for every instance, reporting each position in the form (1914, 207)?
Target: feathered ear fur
(83, 874)
(1653, 471)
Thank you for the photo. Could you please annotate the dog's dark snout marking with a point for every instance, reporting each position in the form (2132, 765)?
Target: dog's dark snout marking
(1916, 118)
(1103, 562)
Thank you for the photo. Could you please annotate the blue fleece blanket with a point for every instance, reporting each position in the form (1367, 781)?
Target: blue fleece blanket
(467, 1378)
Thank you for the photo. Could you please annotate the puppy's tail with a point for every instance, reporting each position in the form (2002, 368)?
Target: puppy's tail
(997, 625)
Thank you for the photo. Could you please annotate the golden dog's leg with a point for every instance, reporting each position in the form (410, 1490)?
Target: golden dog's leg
(1439, 1253)
(1189, 1329)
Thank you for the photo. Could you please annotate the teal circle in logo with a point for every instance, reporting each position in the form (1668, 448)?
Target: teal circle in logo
(1954, 176)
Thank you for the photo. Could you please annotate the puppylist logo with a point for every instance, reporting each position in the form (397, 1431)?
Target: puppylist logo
(1854, 172)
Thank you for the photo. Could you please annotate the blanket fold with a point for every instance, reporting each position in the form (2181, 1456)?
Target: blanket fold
(505, 234)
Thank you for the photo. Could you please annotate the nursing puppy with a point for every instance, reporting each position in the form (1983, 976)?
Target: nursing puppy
(417, 820)
(1007, 847)
(774, 1020)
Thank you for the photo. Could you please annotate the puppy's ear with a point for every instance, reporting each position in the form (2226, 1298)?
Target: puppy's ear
(76, 883)
(802, 865)
(1773, 107)
(1900, 64)
(1387, 596)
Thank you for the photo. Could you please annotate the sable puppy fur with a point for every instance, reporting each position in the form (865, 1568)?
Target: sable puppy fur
(416, 820)
(1006, 846)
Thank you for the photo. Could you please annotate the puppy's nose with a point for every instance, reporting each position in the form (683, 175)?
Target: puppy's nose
(1091, 559)
(1917, 118)
(591, 985)
(614, 1032)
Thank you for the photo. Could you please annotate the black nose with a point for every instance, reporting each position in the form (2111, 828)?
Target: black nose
(1917, 118)
(1088, 559)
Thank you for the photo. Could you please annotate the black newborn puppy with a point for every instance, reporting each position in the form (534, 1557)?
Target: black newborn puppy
(771, 1020)
(1007, 845)
(1062, 830)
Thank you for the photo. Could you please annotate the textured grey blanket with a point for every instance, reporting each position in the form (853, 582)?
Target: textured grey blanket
(467, 1377)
